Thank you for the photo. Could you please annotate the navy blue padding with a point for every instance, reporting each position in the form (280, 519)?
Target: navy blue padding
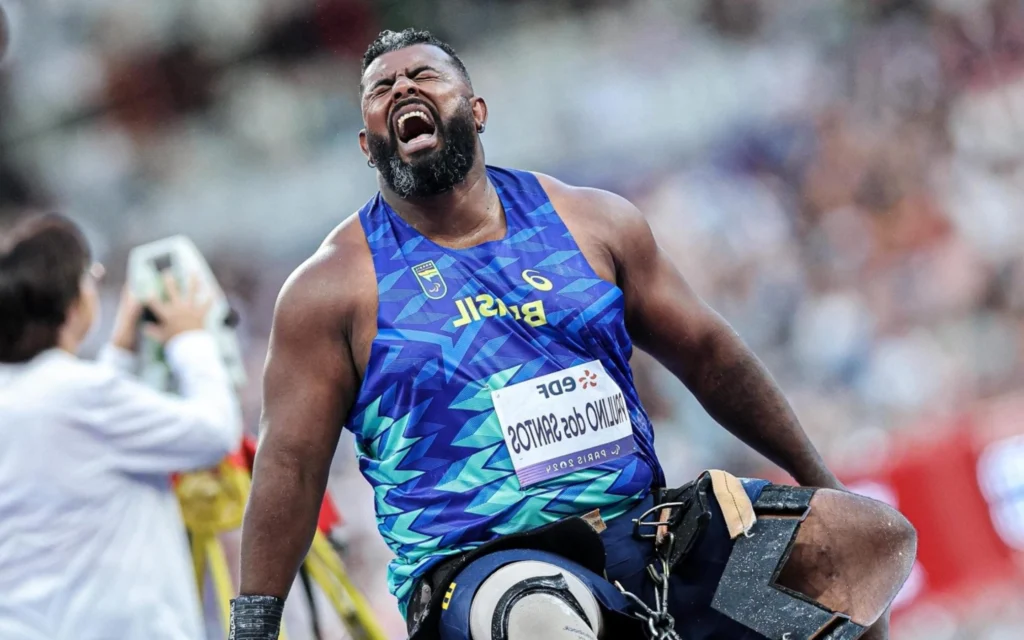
(455, 619)
(691, 589)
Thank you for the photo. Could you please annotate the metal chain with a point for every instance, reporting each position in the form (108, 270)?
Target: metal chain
(660, 624)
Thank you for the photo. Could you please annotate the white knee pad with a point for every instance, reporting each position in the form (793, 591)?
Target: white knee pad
(532, 600)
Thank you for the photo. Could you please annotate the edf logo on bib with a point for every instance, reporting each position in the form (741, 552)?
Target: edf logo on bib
(563, 422)
(568, 384)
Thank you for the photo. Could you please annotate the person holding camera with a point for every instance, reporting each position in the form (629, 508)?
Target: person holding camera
(92, 545)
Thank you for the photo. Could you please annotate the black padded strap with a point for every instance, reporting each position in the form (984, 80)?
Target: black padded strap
(748, 593)
(780, 500)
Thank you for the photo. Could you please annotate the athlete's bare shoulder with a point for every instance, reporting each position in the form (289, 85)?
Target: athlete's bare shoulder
(606, 226)
(334, 284)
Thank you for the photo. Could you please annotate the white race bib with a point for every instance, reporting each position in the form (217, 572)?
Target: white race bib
(562, 422)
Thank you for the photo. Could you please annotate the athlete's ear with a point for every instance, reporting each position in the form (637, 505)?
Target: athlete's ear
(364, 146)
(479, 113)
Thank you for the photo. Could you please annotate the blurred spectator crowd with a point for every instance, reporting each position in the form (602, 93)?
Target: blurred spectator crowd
(840, 179)
(869, 243)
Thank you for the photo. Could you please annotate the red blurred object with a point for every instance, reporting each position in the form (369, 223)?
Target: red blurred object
(935, 485)
(145, 90)
(932, 477)
(345, 26)
(329, 515)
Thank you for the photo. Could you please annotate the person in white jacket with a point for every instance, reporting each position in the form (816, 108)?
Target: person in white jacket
(92, 543)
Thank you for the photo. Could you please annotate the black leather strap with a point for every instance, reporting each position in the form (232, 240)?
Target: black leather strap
(689, 515)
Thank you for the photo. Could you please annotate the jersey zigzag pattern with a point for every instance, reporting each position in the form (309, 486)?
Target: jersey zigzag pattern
(455, 325)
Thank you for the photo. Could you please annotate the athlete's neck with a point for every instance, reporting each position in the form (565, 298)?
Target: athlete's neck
(468, 215)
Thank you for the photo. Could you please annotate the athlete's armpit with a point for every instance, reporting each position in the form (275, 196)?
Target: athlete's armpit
(665, 317)
(663, 314)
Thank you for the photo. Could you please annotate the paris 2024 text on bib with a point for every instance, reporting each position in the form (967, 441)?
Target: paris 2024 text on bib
(564, 421)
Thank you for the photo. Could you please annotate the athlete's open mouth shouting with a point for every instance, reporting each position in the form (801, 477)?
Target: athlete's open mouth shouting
(415, 127)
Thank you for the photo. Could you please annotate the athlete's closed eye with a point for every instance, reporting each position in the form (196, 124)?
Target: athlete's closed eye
(381, 87)
(424, 73)
(419, 74)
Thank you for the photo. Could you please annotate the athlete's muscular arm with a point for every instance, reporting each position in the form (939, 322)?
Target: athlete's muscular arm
(308, 387)
(668, 320)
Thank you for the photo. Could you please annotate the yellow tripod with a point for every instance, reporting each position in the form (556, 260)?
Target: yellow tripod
(212, 503)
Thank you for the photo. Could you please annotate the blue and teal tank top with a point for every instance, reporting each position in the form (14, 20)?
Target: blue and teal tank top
(455, 325)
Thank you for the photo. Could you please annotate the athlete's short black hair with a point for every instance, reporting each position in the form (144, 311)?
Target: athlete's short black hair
(389, 41)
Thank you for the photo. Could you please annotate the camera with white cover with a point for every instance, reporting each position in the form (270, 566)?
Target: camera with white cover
(178, 256)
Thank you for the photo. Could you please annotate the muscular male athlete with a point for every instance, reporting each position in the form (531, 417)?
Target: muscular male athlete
(472, 326)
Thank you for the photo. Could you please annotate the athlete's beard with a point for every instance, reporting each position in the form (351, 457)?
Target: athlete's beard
(432, 173)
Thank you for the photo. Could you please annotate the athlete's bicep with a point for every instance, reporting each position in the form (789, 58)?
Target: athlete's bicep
(665, 317)
(309, 380)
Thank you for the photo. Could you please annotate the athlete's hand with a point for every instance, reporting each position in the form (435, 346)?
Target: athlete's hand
(182, 311)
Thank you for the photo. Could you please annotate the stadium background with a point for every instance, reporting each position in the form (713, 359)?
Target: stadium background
(843, 180)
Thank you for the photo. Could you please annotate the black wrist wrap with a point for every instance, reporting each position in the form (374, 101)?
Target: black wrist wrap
(256, 618)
